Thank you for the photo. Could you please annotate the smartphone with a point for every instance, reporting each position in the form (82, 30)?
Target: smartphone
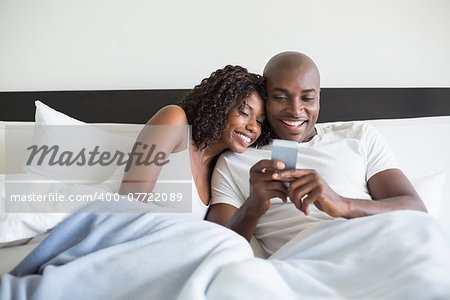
(286, 151)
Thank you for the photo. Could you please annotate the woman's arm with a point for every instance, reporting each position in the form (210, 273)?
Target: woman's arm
(164, 133)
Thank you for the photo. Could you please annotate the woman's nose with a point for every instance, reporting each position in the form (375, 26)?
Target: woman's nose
(252, 125)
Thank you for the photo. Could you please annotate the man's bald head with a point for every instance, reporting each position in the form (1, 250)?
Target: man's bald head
(291, 61)
(293, 96)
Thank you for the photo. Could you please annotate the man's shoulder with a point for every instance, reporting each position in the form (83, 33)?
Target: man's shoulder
(347, 129)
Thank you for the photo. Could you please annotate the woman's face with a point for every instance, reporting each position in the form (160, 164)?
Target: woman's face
(244, 123)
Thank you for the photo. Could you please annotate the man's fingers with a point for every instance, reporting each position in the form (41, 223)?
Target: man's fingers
(302, 196)
(306, 202)
(267, 164)
(276, 189)
(281, 195)
(287, 175)
(262, 171)
(298, 191)
(275, 186)
(297, 202)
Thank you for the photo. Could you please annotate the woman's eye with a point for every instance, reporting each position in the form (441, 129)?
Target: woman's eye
(308, 99)
(243, 113)
(259, 123)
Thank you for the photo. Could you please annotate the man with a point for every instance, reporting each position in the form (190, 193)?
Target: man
(344, 171)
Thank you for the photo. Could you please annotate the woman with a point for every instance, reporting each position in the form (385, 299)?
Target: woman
(226, 111)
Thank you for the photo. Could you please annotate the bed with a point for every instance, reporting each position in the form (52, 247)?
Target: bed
(414, 121)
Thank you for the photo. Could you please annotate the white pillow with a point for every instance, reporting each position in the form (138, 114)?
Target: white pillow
(430, 190)
(25, 224)
(45, 115)
(55, 128)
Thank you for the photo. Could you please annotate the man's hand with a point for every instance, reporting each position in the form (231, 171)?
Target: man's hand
(307, 186)
(263, 186)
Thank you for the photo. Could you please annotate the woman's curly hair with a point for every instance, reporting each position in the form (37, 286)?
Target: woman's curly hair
(208, 104)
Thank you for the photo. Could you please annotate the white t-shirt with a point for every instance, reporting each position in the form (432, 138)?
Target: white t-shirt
(346, 155)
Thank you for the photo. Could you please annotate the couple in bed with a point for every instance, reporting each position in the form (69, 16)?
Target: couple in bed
(321, 249)
(345, 171)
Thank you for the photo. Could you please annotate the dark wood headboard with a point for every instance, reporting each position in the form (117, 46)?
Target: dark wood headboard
(137, 106)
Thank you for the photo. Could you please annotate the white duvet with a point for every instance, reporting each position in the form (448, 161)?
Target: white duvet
(399, 255)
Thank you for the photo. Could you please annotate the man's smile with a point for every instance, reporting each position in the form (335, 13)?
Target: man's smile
(295, 125)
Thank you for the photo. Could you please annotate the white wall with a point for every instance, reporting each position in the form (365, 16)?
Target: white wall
(141, 44)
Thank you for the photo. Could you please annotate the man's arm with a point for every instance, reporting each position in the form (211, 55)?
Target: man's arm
(263, 187)
(390, 190)
(238, 220)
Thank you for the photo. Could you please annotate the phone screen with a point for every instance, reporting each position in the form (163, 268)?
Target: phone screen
(286, 151)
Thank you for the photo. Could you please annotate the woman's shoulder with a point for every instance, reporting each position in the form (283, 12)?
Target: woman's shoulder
(169, 115)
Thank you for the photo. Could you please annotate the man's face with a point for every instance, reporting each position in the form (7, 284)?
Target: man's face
(292, 105)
